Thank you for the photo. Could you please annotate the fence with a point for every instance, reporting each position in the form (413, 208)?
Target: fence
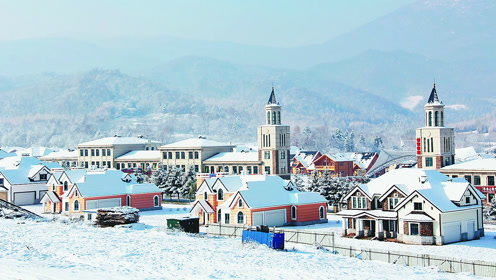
(326, 239)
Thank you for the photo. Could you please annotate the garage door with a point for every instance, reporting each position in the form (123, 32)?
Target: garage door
(25, 198)
(470, 229)
(275, 218)
(111, 202)
(452, 232)
(258, 218)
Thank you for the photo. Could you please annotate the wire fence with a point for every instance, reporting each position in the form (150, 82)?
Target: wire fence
(327, 240)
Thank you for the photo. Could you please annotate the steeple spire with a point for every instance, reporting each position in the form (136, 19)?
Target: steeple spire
(433, 98)
(272, 98)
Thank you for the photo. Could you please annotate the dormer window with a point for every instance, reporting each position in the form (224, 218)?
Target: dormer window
(205, 196)
(66, 186)
(468, 200)
(240, 203)
(393, 201)
(220, 194)
(417, 206)
(43, 177)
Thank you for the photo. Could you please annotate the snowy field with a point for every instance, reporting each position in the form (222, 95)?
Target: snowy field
(57, 250)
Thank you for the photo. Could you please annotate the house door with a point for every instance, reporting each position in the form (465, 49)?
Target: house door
(470, 230)
(54, 207)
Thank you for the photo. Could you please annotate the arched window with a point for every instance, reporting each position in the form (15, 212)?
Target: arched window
(205, 196)
(442, 118)
(273, 117)
(156, 201)
(322, 212)
(268, 117)
(430, 118)
(278, 117)
(220, 194)
(219, 216)
(240, 203)
(66, 186)
(293, 212)
(241, 218)
(128, 200)
(76, 205)
(436, 118)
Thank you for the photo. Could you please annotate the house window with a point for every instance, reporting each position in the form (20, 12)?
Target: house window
(240, 203)
(220, 194)
(108, 164)
(1, 181)
(156, 201)
(128, 200)
(75, 192)
(190, 155)
(76, 205)
(359, 202)
(249, 169)
(414, 229)
(97, 152)
(267, 155)
(196, 168)
(66, 186)
(92, 152)
(164, 155)
(205, 196)
(183, 155)
(66, 206)
(293, 212)
(118, 166)
(227, 218)
(283, 154)
(85, 164)
(428, 161)
(219, 216)
(477, 180)
(196, 155)
(255, 169)
(103, 153)
(240, 169)
(322, 212)
(86, 152)
(81, 152)
(108, 152)
(241, 218)
(467, 200)
(417, 206)
(43, 177)
(490, 180)
(178, 155)
(468, 178)
(393, 201)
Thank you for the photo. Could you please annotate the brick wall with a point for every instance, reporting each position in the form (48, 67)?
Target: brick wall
(426, 229)
(406, 229)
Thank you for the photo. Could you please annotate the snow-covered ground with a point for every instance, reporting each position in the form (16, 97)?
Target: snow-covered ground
(55, 250)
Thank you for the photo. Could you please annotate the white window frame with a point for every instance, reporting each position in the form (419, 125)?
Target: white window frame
(128, 200)
(237, 218)
(393, 201)
(240, 203)
(293, 211)
(220, 193)
(421, 206)
(157, 200)
(322, 208)
(359, 202)
(74, 206)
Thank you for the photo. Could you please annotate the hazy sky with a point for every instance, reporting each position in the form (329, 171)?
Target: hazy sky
(282, 23)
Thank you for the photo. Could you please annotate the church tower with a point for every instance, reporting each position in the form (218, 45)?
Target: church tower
(435, 142)
(274, 141)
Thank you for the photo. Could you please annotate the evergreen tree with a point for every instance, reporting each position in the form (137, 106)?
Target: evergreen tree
(313, 182)
(189, 188)
(490, 210)
(299, 183)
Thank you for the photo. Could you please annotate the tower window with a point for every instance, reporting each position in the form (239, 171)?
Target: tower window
(268, 117)
(278, 117)
(442, 118)
(430, 118)
(273, 117)
(436, 118)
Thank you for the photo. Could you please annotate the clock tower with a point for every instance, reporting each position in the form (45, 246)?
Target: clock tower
(435, 142)
(274, 141)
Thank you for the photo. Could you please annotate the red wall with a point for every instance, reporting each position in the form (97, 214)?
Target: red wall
(139, 201)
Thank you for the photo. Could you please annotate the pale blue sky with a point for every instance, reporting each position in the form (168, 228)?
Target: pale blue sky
(270, 23)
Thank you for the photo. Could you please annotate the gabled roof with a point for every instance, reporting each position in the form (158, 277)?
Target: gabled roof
(117, 140)
(62, 154)
(110, 183)
(202, 204)
(200, 142)
(34, 152)
(234, 183)
(19, 170)
(50, 196)
(272, 192)
(4, 154)
(207, 183)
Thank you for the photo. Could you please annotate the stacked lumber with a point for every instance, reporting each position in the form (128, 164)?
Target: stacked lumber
(109, 217)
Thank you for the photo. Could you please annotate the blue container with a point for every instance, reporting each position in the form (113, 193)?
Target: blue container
(272, 240)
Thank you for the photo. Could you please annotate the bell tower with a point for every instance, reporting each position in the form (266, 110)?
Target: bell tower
(435, 142)
(274, 141)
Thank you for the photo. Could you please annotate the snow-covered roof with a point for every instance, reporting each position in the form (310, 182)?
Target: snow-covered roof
(271, 192)
(34, 152)
(110, 182)
(362, 159)
(418, 218)
(389, 157)
(4, 154)
(117, 140)
(200, 142)
(50, 196)
(152, 155)
(234, 183)
(469, 153)
(249, 156)
(202, 204)
(246, 148)
(436, 187)
(62, 154)
(20, 170)
(487, 164)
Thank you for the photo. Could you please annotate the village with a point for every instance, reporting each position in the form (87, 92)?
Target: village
(435, 195)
